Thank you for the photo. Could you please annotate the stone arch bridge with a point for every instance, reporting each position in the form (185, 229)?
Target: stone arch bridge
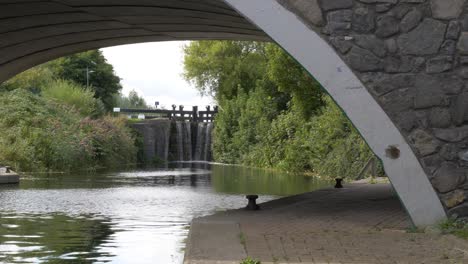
(398, 68)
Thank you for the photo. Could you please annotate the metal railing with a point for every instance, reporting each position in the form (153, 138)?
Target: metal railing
(175, 114)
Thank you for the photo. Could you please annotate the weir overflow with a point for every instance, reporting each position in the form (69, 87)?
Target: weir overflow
(175, 135)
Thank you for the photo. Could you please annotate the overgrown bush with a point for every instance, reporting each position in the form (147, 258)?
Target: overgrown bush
(457, 227)
(326, 144)
(272, 112)
(249, 260)
(39, 134)
(32, 79)
(74, 95)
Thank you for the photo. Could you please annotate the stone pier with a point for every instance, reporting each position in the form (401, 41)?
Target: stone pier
(8, 176)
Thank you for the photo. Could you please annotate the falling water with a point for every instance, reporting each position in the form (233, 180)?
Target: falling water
(207, 148)
(200, 144)
(187, 141)
(176, 140)
(156, 135)
(180, 140)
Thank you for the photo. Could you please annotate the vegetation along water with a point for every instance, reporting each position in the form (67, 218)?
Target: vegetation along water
(272, 114)
(55, 117)
(133, 216)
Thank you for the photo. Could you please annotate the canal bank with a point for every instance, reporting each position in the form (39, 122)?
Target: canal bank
(7, 176)
(362, 223)
(137, 216)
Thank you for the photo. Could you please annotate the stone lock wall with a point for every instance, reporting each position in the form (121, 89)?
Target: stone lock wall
(412, 55)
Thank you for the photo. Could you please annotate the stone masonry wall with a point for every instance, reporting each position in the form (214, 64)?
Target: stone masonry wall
(412, 55)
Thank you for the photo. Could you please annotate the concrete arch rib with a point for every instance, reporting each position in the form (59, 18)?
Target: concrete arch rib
(317, 57)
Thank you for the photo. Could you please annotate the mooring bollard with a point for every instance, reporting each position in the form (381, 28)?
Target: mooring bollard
(338, 184)
(252, 202)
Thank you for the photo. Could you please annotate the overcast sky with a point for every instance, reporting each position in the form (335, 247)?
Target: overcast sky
(154, 71)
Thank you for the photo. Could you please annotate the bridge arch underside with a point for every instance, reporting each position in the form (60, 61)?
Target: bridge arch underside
(397, 68)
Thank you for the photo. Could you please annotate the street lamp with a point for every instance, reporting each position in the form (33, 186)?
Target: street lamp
(88, 72)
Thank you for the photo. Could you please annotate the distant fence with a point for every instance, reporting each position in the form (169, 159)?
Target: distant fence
(175, 114)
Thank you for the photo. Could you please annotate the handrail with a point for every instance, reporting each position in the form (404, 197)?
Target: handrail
(176, 114)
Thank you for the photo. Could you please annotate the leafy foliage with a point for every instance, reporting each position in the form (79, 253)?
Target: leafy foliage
(50, 119)
(74, 95)
(249, 260)
(222, 68)
(41, 134)
(102, 79)
(133, 100)
(457, 227)
(272, 113)
(32, 79)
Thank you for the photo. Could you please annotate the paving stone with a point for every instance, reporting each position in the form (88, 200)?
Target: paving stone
(449, 152)
(440, 117)
(387, 26)
(371, 43)
(360, 224)
(391, 45)
(459, 109)
(335, 4)
(448, 177)
(453, 30)
(381, 8)
(447, 9)
(363, 60)
(339, 22)
(363, 20)
(411, 20)
(341, 44)
(453, 135)
(448, 47)
(398, 64)
(425, 39)
(309, 10)
(439, 64)
(425, 143)
(454, 198)
(463, 43)
(463, 155)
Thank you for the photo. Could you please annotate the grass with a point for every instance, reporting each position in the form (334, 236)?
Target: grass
(242, 239)
(72, 94)
(455, 227)
(249, 260)
(414, 230)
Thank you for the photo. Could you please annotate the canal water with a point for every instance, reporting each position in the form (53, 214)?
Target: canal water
(139, 216)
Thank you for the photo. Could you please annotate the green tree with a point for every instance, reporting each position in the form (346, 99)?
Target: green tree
(33, 79)
(102, 78)
(133, 100)
(222, 68)
(272, 112)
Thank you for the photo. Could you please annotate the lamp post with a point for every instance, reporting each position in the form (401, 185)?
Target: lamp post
(88, 71)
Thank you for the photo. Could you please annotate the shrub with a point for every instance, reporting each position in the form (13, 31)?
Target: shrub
(457, 227)
(248, 260)
(38, 134)
(32, 79)
(72, 94)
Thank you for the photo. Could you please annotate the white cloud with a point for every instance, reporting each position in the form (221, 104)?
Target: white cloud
(154, 71)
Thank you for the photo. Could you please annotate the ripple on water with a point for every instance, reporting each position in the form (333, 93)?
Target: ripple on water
(128, 217)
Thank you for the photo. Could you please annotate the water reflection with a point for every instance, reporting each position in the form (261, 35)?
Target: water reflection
(139, 216)
(53, 238)
(243, 180)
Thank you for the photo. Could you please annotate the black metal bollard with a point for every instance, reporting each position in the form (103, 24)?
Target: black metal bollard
(252, 206)
(338, 184)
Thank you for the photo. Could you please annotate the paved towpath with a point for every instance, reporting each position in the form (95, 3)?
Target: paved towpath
(361, 223)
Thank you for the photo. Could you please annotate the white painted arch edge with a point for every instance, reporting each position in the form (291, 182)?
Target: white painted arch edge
(317, 57)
